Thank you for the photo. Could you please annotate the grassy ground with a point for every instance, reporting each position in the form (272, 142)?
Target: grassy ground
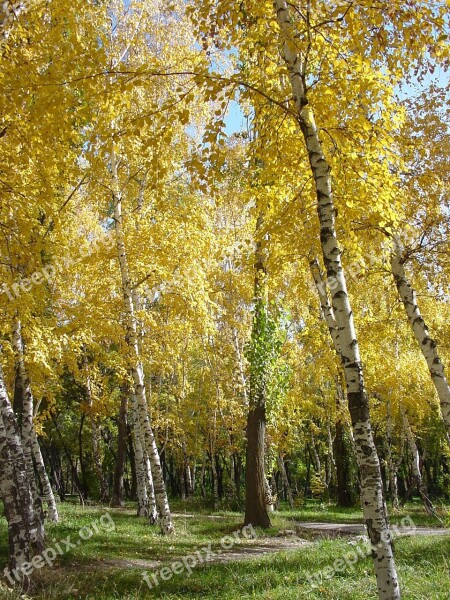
(110, 565)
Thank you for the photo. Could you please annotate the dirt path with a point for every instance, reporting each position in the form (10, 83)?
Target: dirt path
(337, 529)
(256, 548)
(287, 540)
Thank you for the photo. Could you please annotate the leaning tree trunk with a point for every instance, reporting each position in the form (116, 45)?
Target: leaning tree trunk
(255, 478)
(342, 459)
(427, 345)
(417, 473)
(374, 508)
(15, 489)
(152, 508)
(44, 478)
(164, 516)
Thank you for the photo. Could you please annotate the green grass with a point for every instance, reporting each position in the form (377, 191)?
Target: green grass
(330, 513)
(91, 570)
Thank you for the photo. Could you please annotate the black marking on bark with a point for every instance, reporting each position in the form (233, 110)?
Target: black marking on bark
(340, 294)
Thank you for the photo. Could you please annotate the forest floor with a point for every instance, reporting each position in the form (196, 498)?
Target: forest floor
(304, 555)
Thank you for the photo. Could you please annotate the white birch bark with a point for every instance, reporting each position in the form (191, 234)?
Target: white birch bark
(327, 309)
(141, 487)
(14, 485)
(44, 479)
(164, 516)
(426, 344)
(26, 430)
(374, 508)
(152, 510)
(25, 387)
(186, 469)
(268, 496)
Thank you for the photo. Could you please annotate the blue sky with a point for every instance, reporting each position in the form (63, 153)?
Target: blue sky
(235, 120)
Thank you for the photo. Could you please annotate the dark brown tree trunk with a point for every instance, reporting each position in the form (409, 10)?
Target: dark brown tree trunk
(118, 490)
(133, 487)
(255, 504)
(255, 479)
(75, 480)
(341, 455)
(81, 457)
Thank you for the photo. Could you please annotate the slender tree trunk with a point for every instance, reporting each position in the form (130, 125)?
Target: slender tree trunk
(75, 480)
(152, 506)
(202, 476)
(164, 516)
(214, 476)
(187, 476)
(119, 469)
(417, 473)
(95, 438)
(85, 493)
(44, 479)
(194, 477)
(427, 345)
(342, 452)
(57, 471)
(331, 470)
(392, 465)
(317, 461)
(342, 459)
(255, 478)
(374, 508)
(285, 480)
(131, 486)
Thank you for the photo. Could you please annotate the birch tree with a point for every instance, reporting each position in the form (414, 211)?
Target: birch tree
(374, 509)
(164, 516)
(426, 344)
(15, 489)
(30, 441)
